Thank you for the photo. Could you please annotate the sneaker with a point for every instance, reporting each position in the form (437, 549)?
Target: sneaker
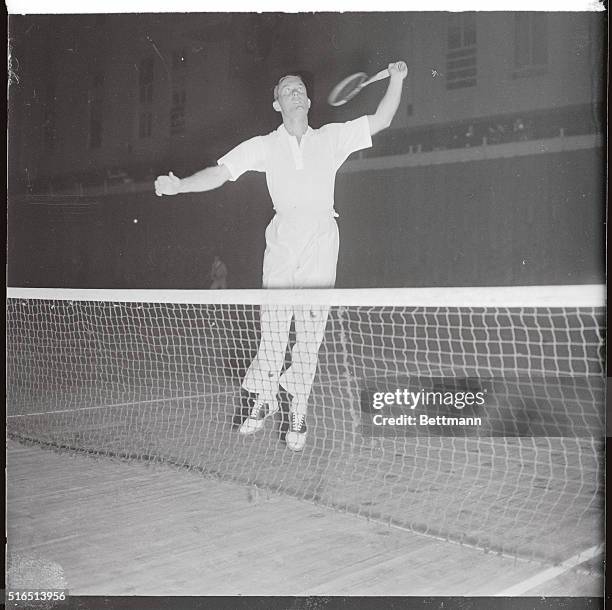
(261, 410)
(296, 435)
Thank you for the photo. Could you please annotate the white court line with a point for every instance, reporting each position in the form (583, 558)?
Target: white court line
(139, 402)
(564, 567)
(549, 574)
(123, 404)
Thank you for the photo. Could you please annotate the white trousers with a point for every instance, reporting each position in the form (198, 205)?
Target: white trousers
(298, 255)
(301, 253)
(263, 376)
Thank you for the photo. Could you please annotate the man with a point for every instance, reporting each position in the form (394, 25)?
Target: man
(301, 240)
(218, 274)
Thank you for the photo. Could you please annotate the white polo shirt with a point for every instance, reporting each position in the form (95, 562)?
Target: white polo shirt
(300, 177)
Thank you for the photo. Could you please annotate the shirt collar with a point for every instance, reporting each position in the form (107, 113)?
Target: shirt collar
(282, 129)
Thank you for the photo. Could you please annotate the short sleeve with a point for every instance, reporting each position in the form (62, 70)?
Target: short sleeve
(248, 156)
(349, 137)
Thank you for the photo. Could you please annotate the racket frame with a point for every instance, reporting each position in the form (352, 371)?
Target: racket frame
(367, 81)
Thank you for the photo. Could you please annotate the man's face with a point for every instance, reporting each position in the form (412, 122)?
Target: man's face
(292, 99)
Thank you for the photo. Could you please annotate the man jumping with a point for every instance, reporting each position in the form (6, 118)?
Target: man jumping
(302, 241)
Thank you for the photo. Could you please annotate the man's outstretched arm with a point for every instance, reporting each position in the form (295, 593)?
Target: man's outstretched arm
(387, 108)
(205, 180)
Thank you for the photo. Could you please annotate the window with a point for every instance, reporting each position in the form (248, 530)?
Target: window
(461, 54)
(177, 111)
(145, 80)
(530, 41)
(461, 31)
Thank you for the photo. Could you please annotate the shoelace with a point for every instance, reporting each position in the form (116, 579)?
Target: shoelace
(258, 405)
(297, 420)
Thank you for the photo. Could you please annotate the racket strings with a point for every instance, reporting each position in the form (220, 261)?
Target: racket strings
(347, 88)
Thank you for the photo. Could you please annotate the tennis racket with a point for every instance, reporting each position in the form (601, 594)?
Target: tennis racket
(348, 88)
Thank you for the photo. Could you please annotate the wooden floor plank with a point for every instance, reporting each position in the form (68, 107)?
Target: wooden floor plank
(116, 528)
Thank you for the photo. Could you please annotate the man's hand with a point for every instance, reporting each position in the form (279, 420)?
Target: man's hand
(398, 70)
(167, 185)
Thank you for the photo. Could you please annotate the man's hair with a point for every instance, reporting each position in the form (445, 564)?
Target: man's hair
(282, 78)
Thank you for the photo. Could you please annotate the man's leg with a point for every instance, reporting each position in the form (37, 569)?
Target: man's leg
(316, 269)
(262, 377)
(275, 321)
(310, 325)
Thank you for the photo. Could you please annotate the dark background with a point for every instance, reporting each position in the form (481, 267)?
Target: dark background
(497, 222)
(455, 193)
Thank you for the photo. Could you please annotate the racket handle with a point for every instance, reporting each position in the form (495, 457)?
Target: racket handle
(382, 74)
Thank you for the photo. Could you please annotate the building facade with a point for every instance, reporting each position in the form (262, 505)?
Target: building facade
(121, 97)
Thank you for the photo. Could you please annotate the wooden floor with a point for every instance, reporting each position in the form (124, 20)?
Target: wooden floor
(104, 527)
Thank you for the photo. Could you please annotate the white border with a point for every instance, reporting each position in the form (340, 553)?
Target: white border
(194, 6)
(587, 295)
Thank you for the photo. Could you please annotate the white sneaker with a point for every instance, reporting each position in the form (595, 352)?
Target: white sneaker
(296, 435)
(261, 410)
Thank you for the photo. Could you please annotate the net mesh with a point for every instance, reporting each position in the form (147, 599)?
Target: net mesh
(154, 379)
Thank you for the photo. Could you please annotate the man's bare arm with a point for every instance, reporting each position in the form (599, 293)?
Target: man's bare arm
(205, 180)
(387, 108)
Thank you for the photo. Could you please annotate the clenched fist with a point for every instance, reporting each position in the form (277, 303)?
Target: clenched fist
(167, 185)
(398, 69)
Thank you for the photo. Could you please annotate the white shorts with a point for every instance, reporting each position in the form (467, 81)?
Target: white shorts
(301, 253)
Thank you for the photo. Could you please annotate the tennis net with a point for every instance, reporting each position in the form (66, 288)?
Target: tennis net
(156, 376)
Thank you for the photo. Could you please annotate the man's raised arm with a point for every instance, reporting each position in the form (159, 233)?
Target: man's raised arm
(205, 180)
(387, 108)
